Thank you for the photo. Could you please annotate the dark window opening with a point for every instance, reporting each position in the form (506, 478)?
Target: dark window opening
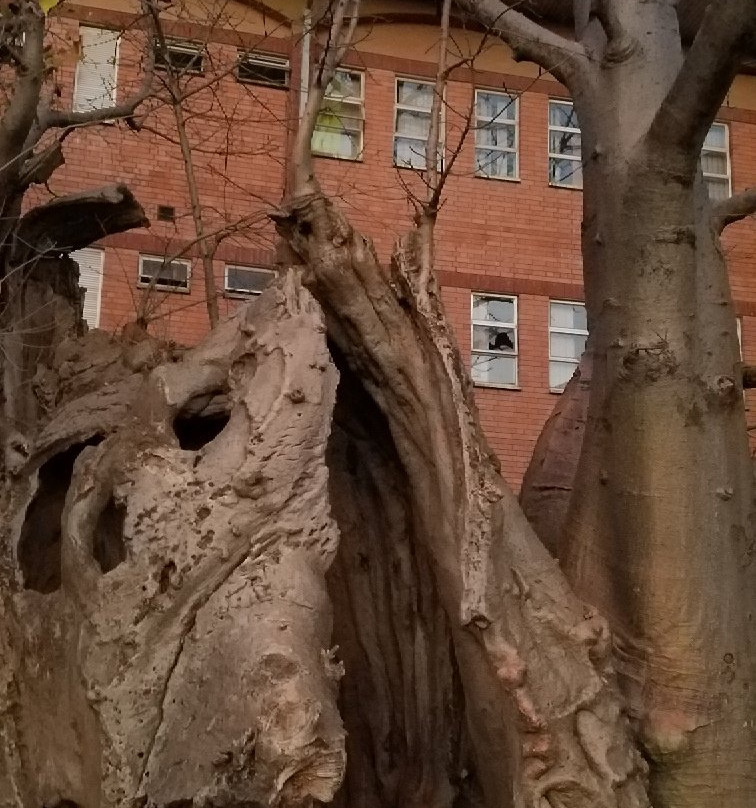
(201, 420)
(179, 57)
(40, 541)
(166, 213)
(271, 71)
(108, 546)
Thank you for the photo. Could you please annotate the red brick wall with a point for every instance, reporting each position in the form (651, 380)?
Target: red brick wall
(509, 237)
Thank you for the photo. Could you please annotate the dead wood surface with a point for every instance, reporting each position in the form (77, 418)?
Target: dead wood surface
(542, 705)
(169, 642)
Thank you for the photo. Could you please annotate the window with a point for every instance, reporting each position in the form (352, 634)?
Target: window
(258, 68)
(90, 280)
(338, 130)
(715, 161)
(179, 56)
(414, 100)
(494, 340)
(246, 281)
(172, 275)
(568, 330)
(95, 81)
(496, 135)
(565, 168)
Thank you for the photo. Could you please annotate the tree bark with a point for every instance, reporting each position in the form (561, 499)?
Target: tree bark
(543, 714)
(659, 530)
(166, 625)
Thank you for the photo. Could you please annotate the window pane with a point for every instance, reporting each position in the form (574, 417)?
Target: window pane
(345, 85)
(496, 163)
(414, 94)
(496, 135)
(248, 280)
(566, 346)
(494, 309)
(494, 369)
(714, 163)
(717, 137)
(718, 188)
(562, 115)
(413, 124)
(495, 105)
(568, 315)
(409, 153)
(565, 172)
(560, 373)
(492, 338)
(564, 143)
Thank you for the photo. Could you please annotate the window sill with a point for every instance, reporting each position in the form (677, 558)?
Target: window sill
(160, 288)
(416, 169)
(497, 179)
(566, 187)
(493, 386)
(556, 391)
(359, 159)
(240, 295)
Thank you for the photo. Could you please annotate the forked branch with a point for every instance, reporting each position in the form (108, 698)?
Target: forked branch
(725, 36)
(565, 59)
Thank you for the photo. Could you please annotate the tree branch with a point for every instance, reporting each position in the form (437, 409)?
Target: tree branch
(74, 221)
(564, 59)
(18, 117)
(726, 35)
(340, 37)
(733, 209)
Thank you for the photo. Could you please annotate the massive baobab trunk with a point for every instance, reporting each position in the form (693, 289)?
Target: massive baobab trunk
(659, 530)
(187, 536)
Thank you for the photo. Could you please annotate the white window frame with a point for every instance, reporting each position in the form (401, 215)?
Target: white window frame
(80, 105)
(264, 60)
(553, 329)
(482, 123)
(719, 150)
(356, 101)
(557, 156)
(244, 293)
(429, 112)
(149, 283)
(92, 293)
(512, 353)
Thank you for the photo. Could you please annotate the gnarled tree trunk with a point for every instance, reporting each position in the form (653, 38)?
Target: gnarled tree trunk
(166, 624)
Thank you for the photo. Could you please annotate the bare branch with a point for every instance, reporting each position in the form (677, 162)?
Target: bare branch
(726, 35)
(49, 118)
(76, 220)
(733, 209)
(564, 59)
(340, 37)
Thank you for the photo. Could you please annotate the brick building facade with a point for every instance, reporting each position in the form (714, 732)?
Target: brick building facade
(508, 233)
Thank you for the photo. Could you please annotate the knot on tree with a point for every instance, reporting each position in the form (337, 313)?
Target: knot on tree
(648, 363)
